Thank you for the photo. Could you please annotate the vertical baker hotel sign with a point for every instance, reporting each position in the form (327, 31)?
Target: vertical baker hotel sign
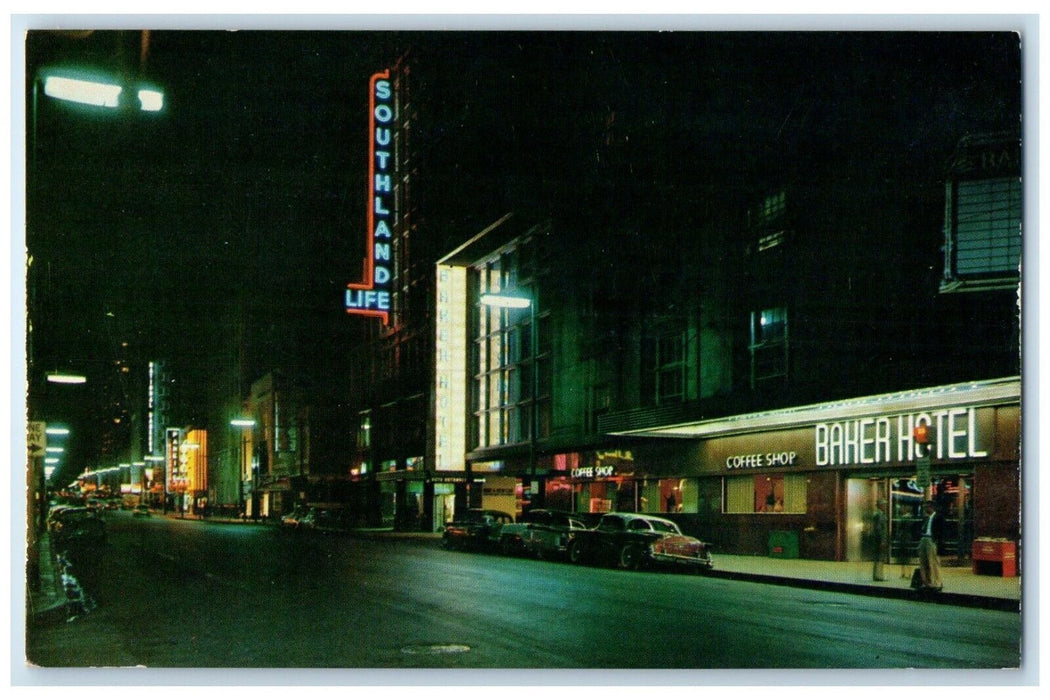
(371, 296)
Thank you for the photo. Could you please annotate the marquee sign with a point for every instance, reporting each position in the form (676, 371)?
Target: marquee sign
(371, 296)
(173, 450)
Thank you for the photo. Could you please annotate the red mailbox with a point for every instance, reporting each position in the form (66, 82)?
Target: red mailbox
(1002, 552)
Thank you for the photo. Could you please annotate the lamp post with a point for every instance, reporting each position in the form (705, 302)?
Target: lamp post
(503, 301)
(244, 425)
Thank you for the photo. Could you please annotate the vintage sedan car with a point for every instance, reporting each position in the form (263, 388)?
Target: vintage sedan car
(78, 527)
(541, 533)
(477, 529)
(296, 517)
(637, 540)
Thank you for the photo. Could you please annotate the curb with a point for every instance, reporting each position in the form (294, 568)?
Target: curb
(941, 598)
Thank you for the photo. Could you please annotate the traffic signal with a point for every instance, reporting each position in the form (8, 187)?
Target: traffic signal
(924, 437)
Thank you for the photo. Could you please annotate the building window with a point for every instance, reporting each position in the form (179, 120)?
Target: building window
(503, 351)
(765, 493)
(987, 223)
(364, 430)
(983, 205)
(667, 364)
(768, 211)
(769, 345)
(669, 496)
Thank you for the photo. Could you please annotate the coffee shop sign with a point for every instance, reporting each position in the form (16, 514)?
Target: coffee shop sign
(598, 472)
(759, 460)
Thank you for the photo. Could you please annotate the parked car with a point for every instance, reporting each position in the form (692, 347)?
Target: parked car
(540, 532)
(78, 527)
(54, 514)
(477, 529)
(637, 540)
(323, 519)
(141, 511)
(295, 518)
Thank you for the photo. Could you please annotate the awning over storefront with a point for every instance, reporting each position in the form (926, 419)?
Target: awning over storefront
(992, 392)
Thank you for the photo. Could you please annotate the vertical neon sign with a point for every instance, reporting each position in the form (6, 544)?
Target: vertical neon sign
(371, 297)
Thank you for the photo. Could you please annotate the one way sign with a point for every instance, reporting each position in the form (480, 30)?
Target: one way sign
(36, 439)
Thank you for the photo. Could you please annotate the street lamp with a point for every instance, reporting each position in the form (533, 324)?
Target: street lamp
(99, 93)
(505, 301)
(244, 425)
(65, 378)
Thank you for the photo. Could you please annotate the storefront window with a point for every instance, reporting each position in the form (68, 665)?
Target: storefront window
(605, 496)
(766, 493)
(668, 496)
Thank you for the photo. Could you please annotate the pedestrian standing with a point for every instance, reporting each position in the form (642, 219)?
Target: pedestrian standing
(929, 564)
(878, 540)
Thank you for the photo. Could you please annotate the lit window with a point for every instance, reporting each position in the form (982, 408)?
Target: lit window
(765, 493)
(988, 227)
(771, 209)
(769, 344)
(983, 205)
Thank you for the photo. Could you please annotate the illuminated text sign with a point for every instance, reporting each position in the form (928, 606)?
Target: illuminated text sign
(371, 297)
(755, 461)
(889, 439)
(593, 472)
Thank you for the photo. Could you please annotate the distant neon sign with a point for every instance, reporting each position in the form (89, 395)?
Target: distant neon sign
(371, 297)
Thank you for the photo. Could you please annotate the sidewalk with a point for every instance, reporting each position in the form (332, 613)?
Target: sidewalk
(47, 604)
(961, 585)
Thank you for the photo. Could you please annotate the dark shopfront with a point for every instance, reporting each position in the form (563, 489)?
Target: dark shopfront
(813, 476)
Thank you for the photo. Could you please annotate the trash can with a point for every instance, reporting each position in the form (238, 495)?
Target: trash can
(783, 544)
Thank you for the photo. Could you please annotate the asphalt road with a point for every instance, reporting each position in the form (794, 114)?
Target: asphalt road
(194, 594)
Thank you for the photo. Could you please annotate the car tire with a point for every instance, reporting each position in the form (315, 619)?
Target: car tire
(508, 546)
(577, 553)
(630, 557)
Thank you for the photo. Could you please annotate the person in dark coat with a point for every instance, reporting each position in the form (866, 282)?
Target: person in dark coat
(878, 541)
(932, 532)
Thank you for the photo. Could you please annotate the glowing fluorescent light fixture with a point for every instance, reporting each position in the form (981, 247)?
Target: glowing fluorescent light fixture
(151, 100)
(506, 302)
(59, 378)
(57, 431)
(242, 423)
(83, 91)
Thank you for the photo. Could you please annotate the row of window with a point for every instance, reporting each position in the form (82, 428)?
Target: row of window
(747, 494)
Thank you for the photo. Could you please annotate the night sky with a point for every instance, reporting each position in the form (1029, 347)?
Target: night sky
(248, 186)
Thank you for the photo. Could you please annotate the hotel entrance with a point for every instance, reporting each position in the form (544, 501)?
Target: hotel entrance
(900, 500)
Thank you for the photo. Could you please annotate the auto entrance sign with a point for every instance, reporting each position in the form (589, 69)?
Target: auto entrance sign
(36, 438)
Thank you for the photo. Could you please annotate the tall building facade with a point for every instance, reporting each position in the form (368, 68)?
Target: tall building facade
(739, 332)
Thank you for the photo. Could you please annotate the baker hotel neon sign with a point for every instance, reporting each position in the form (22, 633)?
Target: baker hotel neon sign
(371, 297)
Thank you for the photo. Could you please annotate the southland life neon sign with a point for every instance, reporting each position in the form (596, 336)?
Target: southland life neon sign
(371, 297)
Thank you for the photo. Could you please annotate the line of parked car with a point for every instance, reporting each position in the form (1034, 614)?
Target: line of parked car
(316, 518)
(76, 526)
(625, 540)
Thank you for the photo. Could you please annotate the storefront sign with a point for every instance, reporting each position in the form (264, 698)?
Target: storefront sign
(889, 439)
(174, 452)
(756, 461)
(603, 472)
(371, 297)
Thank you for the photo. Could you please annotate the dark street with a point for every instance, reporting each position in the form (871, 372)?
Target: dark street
(185, 593)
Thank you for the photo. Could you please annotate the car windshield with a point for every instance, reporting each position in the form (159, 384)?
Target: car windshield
(665, 526)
